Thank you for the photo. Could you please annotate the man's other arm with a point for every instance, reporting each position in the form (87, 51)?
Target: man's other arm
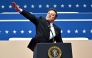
(26, 14)
(58, 37)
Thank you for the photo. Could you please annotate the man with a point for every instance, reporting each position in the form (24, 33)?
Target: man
(46, 30)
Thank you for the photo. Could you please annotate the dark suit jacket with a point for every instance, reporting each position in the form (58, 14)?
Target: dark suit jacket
(42, 30)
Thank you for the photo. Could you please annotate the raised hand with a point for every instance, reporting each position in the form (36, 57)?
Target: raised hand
(15, 6)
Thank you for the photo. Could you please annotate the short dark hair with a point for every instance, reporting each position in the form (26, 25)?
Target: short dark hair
(54, 11)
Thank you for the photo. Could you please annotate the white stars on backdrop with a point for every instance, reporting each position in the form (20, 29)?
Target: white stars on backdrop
(84, 5)
(91, 30)
(6, 31)
(15, 32)
(30, 31)
(48, 6)
(77, 5)
(25, 6)
(62, 6)
(76, 31)
(2, 6)
(32, 6)
(10, 6)
(70, 5)
(40, 6)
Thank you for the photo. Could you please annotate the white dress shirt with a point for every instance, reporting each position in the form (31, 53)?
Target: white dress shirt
(52, 31)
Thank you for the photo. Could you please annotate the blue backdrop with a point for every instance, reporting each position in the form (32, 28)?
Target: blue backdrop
(43, 5)
(72, 24)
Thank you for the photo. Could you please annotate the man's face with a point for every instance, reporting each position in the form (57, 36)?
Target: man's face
(51, 16)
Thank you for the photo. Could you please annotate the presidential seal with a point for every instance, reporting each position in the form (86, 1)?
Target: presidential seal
(54, 52)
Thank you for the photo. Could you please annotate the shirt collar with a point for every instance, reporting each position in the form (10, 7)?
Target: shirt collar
(51, 24)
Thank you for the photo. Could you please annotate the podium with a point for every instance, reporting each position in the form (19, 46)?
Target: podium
(53, 50)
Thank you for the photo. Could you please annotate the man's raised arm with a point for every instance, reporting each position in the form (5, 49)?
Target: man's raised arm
(26, 14)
